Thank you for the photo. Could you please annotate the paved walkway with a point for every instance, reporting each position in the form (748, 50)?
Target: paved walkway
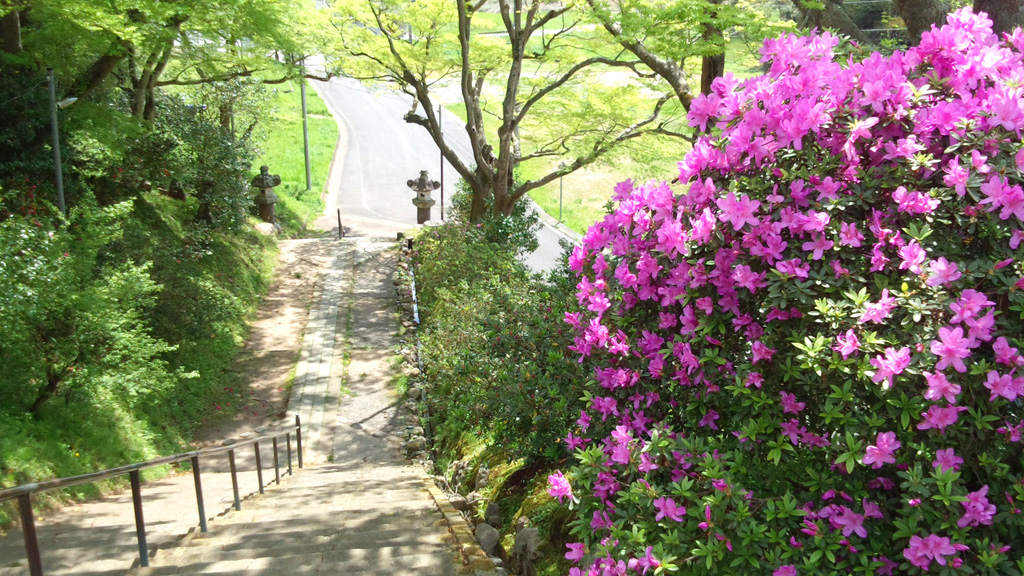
(359, 509)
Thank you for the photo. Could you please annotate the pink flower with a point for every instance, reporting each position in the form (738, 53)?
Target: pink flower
(747, 278)
(922, 551)
(892, 363)
(956, 176)
(644, 563)
(940, 387)
(794, 267)
(939, 417)
(849, 235)
(818, 245)
(558, 487)
(1000, 194)
(878, 311)
(738, 211)
(847, 344)
(576, 552)
(790, 405)
(882, 451)
(952, 348)
(968, 304)
(912, 256)
(850, 522)
(977, 509)
(708, 420)
(1003, 385)
(787, 570)
(1005, 354)
(667, 508)
(914, 202)
(947, 460)
(943, 272)
(761, 352)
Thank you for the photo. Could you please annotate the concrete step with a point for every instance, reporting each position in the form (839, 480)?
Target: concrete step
(340, 547)
(368, 534)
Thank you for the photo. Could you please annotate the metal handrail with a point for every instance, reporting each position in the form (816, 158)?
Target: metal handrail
(23, 493)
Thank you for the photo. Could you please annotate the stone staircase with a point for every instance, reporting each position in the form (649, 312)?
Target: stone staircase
(330, 519)
(357, 508)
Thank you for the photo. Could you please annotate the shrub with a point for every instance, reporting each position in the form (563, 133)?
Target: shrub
(808, 362)
(494, 348)
(516, 232)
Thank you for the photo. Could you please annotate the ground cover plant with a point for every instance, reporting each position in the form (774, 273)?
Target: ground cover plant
(808, 361)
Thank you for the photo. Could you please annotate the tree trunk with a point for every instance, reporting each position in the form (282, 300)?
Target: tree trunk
(226, 113)
(834, 16)
(478, 208)
(712, 66)
(919, 15)
(1005, 14)
(97, 73)
(10, 25)
(52, 385)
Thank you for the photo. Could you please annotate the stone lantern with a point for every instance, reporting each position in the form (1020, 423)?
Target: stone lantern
(423, 186)
(266, 198)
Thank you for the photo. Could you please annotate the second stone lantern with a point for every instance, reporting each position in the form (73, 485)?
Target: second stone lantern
(423, 186)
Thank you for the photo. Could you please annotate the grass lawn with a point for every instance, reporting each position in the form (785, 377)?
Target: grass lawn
(585, 192)
(283, 152)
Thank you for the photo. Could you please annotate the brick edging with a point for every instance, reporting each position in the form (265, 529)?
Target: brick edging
(473, 557)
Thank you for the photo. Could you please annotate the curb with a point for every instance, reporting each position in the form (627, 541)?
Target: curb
(474, 559)
(558, 227)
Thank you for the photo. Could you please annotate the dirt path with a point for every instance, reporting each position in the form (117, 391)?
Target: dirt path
(271, 350)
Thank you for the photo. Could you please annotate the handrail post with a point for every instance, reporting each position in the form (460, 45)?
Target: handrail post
(298, 438)
(28, 527)
(259, 466)
(288, 444)
(199, 493)
(234, 479)
(277, 466)
(140, 523)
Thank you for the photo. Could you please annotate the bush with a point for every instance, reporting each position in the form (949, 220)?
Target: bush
(494, 348)
(808, 362)
(516, 232)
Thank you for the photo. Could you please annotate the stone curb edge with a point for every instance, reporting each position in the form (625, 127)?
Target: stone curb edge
(474, 558)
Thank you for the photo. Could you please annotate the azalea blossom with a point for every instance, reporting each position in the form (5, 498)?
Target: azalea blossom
(558, 487)
(892, 363)
(940, 387)
(977, 509)
(847, 344)
(947, 460)
(881, 452)
(940, 417)
(952, 348)
(943, 272)
(738, 212)
(922, 551)
(667, 508)
(878, 311)
(850, 522)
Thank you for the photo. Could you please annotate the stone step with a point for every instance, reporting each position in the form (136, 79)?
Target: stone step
(383, 561)
(292, 495)
(328, 512)
(338, 548)
(366, 528)
(72, 571)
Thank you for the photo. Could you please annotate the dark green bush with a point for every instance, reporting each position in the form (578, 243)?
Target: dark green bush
(494, 343)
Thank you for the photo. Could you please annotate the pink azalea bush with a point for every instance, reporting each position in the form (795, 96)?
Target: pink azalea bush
(812, 361)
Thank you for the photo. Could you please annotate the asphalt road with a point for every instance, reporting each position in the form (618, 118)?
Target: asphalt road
(380, 152)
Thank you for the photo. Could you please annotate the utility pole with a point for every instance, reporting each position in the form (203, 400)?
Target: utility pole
(442, 159)
(305, 129)
(56, 144)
